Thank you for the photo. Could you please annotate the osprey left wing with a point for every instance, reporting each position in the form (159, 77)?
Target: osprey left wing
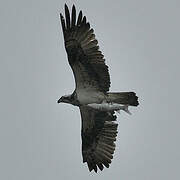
(85, 59)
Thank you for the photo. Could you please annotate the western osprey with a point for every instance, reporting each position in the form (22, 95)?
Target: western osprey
(97, 105)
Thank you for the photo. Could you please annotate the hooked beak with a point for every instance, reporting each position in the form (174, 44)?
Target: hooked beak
(59, 101)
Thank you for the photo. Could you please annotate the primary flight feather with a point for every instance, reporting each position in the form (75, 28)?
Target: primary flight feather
(97, 105)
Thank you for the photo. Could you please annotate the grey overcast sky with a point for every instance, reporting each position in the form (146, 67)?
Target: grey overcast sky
(39, 139)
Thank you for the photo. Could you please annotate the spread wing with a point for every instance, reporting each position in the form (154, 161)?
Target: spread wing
(98, 133)
(85, 59)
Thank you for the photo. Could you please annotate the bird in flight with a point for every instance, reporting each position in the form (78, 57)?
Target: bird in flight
(97, 105)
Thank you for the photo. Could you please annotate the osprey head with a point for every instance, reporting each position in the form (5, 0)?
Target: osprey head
(65, 99)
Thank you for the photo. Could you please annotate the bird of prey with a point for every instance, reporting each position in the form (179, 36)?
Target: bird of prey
(97, 105)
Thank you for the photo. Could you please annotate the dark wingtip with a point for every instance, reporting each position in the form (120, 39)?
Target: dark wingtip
(95, 169)
(65, 5)
(66, 8)
(84, 20)
(80, 12)
(61, 16)
(79, 18)
(73, 6)
(90, 167)
(67, 15)
(73, 16)
(100, 166)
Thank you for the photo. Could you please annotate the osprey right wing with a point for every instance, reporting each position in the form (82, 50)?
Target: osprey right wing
(98, 132)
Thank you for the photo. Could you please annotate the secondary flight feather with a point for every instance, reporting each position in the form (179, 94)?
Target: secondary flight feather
(97, 105)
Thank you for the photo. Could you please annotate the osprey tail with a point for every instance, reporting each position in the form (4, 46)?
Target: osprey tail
(127, 98)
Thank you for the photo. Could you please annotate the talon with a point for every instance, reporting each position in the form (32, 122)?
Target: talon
(127, 110)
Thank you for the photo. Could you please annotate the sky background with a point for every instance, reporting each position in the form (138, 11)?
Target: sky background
(40, 139)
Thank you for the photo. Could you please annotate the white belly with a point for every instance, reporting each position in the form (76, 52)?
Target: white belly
(85, 97)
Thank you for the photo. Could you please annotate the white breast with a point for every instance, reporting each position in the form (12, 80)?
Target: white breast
(89, 97)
